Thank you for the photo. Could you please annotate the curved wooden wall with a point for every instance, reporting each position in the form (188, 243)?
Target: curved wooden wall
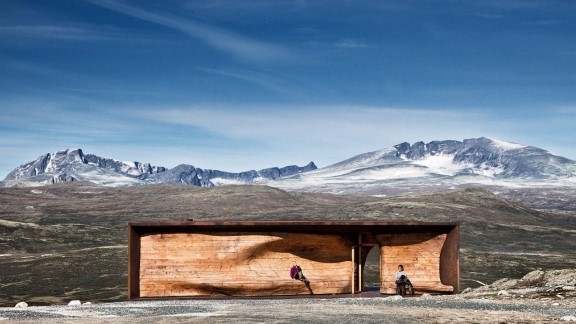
(420, 254)
(242, 264)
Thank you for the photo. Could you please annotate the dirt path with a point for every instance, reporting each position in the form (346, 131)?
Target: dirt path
(445, 309)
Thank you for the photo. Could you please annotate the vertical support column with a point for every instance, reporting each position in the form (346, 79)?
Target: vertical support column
(381, 279)
(360, 262)
(353, 285)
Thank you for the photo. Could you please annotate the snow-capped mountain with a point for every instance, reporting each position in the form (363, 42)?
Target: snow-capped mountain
(401, 168)
(65, 162)
(438, 164)
(74, 165)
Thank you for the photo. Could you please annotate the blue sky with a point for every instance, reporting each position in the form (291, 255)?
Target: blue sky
(238, 85)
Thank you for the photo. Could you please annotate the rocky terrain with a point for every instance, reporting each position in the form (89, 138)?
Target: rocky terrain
(68, 241)
(538, 297)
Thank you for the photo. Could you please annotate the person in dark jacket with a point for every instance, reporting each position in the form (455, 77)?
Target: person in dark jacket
(401, 280)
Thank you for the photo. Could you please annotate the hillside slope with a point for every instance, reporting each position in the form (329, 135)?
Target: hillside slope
(68, 241)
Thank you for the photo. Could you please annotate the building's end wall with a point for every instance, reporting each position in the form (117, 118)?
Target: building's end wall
(420, 254)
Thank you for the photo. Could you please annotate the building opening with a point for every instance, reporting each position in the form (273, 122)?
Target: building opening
(371, 271)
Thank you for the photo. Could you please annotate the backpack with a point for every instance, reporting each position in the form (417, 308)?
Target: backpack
(294, 272)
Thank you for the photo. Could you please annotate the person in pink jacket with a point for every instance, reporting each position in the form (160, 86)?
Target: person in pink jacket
(296, 273)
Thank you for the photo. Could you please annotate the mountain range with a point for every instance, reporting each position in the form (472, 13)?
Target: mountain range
(402, 167)
(73, 165)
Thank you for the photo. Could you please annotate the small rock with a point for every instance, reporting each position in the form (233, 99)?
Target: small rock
(87, 303)
(74, 303)
(396, 297)
(426, 296)
(560, 296)
(558, 288)
(503, 293)
(21, 305)
(555, 304)
(568, 318)
(569, 288)
(467, 290)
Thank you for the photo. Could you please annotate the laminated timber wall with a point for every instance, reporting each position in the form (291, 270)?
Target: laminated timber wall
(242, 264)
(251, 258)
(420, 254)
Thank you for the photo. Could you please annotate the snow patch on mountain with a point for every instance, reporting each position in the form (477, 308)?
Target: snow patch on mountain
(441, 164)
(505, 146)
(224, 182)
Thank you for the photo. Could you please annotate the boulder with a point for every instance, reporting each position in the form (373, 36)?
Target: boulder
(509, 284)
(534, 277)
(74, 303)
(563, 277)
(21, 305)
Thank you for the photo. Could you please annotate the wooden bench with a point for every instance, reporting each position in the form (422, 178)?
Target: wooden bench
(420, 287)
(283, 287)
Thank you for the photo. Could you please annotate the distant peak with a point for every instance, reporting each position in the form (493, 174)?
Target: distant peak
(70, 150)
(311, 166)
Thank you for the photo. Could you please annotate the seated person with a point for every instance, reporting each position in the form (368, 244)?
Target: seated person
(401, 280)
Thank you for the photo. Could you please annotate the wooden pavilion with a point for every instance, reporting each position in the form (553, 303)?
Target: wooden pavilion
(253, 258)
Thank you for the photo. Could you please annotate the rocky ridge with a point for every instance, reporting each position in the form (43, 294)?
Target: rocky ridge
(73, 165)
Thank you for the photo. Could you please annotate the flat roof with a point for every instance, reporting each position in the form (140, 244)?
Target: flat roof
(332, 226)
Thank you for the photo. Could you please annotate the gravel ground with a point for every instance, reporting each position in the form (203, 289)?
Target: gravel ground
(435, 309)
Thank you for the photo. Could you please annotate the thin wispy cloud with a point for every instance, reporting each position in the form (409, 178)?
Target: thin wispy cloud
(57, 32)
(350, 43)
(63, 119)
(324, 125)
(514, 4)
(324, 134)
(565, 110)
(239, 46)
(282, 85)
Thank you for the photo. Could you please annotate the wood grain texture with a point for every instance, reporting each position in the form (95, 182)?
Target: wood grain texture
(242, 264)
(420, 254)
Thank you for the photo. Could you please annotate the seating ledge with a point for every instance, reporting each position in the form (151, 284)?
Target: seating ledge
(432, 287)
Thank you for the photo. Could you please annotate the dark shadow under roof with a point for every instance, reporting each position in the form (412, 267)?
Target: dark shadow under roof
(326, 226)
